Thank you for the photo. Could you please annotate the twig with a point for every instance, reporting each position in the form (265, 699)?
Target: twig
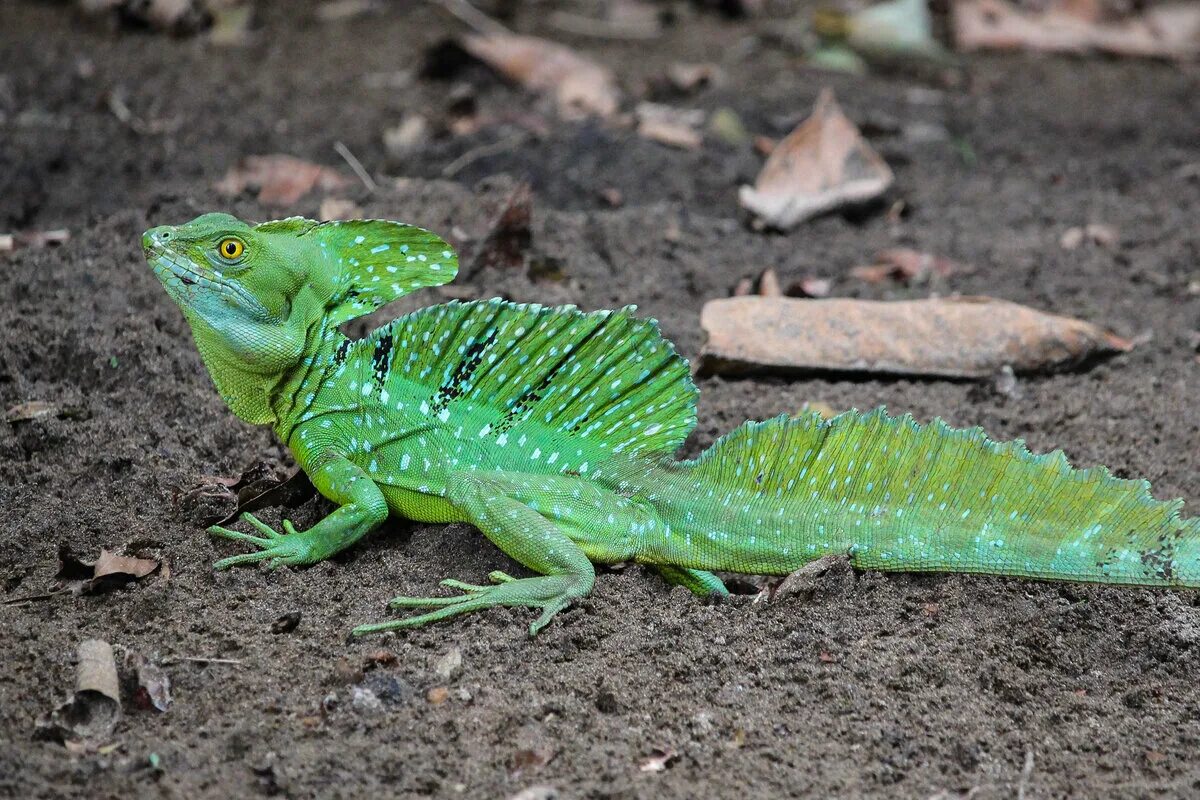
(483, 151)
(201, 660)
(1026, 773)
(601, 28)
(29, 598)
(356, 165)
(472, 16)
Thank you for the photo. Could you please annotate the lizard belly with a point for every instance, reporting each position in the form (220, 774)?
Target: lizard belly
(420, 506)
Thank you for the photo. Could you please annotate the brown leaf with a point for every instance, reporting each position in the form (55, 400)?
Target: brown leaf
(339, 208)
(579, 85)
(662, 758)
(127, 567)
(822, 165)
(106, 572)
(34, 409)
(905, 264)
(965, 337)
(674, 127)
(281, 180)
(1161, 31)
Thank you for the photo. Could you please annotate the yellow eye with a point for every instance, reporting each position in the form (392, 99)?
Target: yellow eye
(231, 249)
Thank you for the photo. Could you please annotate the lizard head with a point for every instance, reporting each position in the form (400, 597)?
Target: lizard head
(252, 293)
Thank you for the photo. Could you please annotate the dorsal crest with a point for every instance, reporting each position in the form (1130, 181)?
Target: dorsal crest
(365, 264)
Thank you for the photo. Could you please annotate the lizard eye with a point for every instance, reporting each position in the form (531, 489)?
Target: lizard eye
(231, 249)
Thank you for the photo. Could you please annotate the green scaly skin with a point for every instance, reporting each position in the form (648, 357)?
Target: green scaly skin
(552, 431)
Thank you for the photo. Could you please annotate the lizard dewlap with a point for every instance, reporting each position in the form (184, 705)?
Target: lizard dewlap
(553, 431)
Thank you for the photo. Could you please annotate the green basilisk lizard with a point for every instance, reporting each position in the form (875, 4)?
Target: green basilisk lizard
(553, 432)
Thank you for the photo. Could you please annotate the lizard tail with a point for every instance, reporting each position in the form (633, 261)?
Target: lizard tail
(895, 495)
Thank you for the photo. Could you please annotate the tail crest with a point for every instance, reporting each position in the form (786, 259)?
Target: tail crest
(897, 495)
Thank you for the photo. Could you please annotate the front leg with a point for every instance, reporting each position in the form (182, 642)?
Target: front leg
(549, 523)
(362, 508)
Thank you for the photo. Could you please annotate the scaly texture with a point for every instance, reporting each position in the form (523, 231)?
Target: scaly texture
(552, 431)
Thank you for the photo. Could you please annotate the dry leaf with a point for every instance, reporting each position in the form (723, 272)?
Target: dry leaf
(92, 712)
(658, 762)
(127, 567)
(690, 77)
(34, 409)
(1161, 31)
(966, 337)
(339, 208)
(810, 287)
(509, 233)
(674, 127)
(820, 166)
(106, 572)
(153, 684)
(12, 241)
(217, 500)
(579, 85)
(768, 284)
(1102, 235)
(905, 264)
(281, 180)
(410, 135)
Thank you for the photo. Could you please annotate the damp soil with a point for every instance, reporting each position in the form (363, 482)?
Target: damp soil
(869, 685)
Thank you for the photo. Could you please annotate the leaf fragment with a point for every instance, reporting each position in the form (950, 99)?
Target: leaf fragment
(153, 683)
(280, 180)
(905, 264)
(1165, 30)
(93, 710)
(659, 761)
(580, 86)
(822, 165)
(963, 337)
(31, 410)
(674, 127)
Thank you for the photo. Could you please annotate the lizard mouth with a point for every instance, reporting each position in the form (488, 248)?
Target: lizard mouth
(175, 270)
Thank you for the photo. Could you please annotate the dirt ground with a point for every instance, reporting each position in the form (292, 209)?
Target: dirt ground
(875, 686)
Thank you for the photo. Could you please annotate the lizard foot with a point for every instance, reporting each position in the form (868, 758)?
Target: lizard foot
(291, 547)
(550, 593)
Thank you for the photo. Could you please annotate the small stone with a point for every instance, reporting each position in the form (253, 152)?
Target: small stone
(365, 701)
(449, 666)
(437, 695)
